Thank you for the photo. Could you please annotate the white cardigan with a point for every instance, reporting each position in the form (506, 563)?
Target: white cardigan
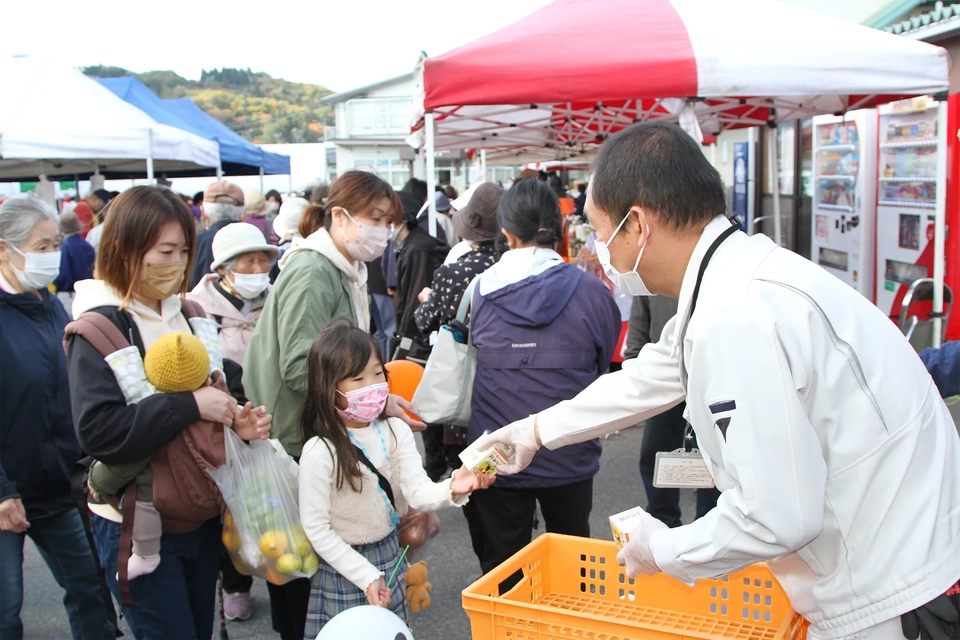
(334, 519)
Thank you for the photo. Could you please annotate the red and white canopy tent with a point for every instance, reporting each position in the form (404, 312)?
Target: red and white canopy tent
(571, 74)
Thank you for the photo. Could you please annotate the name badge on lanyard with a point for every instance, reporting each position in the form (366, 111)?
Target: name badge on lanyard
(683, 468)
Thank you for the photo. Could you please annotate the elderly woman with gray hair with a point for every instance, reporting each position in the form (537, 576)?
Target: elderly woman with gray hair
(233, 295)
(38, 447)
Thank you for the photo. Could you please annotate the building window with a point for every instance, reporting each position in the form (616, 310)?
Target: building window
(380, 116)
(393, 171)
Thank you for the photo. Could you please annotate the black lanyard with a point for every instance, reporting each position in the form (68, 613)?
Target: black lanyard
(735, 226)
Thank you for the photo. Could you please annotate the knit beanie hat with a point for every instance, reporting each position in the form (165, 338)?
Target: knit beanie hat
(177, 362)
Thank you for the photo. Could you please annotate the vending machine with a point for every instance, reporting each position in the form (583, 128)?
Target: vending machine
(844, 206)
(907, 199)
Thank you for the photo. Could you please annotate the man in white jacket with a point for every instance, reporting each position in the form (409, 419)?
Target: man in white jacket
(837, 460)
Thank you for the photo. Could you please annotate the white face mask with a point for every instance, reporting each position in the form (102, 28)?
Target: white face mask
(630, 283)
(39, 269)
(370, 242)
(250, 285)
(273, 206)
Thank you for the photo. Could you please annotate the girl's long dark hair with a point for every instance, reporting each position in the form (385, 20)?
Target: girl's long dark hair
(341, 351)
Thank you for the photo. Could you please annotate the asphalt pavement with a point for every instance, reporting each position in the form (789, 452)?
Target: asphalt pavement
(452, 567)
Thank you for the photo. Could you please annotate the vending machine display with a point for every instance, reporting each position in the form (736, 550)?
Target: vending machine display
(845, 196)
(907, 198)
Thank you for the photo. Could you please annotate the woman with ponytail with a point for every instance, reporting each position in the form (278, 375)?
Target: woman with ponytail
(544, 331)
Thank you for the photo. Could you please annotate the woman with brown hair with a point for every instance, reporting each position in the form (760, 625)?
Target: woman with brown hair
(146, 251)
(322, 277)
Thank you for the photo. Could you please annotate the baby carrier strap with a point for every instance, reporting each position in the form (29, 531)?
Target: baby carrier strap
(96, 328)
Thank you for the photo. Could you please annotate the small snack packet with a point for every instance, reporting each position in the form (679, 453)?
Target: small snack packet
(485, 462)
(624, 524)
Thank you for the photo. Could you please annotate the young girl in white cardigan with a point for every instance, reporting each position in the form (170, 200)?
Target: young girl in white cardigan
(349, 512)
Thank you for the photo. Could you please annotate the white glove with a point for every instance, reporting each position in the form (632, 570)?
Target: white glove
(519, 435)
(637, 555)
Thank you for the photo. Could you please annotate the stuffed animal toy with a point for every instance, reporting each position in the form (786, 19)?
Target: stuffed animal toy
(418, 589)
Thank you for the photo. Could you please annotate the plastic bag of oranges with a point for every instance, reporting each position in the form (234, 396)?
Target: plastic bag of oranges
(261, 527)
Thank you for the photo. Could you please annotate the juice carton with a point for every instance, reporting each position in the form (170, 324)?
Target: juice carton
(485, 461)
(624, 524)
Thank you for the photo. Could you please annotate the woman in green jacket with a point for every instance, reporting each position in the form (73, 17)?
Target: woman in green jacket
(322, 276)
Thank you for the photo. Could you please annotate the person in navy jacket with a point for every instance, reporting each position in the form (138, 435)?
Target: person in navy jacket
(544, 330)
(77, 257)
(38, 447)
(944, 367)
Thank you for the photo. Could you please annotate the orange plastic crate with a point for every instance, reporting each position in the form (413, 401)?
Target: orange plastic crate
(574, 588)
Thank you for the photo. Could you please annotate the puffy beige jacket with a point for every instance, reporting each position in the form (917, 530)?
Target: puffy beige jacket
(236, 329)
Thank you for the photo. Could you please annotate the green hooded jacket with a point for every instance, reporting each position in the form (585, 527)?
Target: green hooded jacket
(310, 291)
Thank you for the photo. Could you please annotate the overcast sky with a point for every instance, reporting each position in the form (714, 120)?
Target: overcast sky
(341, 44)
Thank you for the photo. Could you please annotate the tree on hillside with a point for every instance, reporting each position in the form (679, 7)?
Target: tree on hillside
(100, 71)
(256, 105)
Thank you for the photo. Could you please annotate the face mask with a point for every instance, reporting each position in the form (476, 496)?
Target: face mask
(39, 269)
(273, 206)
(366, 404)
(370, 242)
(250, 285)
(630, 283)
(161, 280)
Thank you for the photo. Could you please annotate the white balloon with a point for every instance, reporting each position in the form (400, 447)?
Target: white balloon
(365, 623)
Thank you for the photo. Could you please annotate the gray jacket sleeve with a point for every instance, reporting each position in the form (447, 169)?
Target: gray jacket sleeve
(638, 329)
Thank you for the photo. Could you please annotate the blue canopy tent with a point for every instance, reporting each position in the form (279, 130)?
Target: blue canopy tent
(272, 163)
(238, 157)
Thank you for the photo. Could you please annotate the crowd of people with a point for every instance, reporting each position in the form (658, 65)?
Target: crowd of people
(300, 302)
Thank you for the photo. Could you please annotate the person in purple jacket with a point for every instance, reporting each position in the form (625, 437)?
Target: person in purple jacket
(544, 330)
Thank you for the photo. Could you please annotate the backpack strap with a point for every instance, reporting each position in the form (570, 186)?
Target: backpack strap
(95, 328)
(192, 309)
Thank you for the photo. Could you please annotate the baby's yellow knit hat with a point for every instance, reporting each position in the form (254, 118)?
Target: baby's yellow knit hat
(177, 362)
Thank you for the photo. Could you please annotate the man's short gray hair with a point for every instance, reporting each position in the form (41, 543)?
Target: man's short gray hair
(218, 211)
(19, 215)
(230, 264)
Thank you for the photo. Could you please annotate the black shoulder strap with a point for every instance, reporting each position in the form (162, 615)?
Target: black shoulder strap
(384, 483)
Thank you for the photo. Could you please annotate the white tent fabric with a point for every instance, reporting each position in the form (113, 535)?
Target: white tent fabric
(56, 121)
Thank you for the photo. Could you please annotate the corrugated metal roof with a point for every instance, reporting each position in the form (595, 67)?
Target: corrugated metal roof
(890, 12)
(939, 16)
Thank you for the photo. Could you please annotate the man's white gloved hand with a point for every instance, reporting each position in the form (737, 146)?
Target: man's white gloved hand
(521, 435)
(637, 555)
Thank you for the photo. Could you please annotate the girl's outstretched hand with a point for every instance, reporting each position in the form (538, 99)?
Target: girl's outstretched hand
(252, 424)
(378, 595)
(395, 409)
(463, 481)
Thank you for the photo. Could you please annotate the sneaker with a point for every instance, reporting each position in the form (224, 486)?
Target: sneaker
(236, 606)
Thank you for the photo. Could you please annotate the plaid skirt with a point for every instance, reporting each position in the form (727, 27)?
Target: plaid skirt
(331, 593)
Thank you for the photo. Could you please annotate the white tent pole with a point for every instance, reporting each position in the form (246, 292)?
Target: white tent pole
(261, 179)
(150, 156)
(289, 183)
(431, 173)
(774, 165)
(483, 165)
(220, 171)
(751, 178)
(939, 232)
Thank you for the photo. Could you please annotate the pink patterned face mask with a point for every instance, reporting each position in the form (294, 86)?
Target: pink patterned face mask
(366, 404)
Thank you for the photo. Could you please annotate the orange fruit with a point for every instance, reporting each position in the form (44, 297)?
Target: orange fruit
(288, 563)
(273, 544)
(228, 522)
(274, 577)
(231, 540)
